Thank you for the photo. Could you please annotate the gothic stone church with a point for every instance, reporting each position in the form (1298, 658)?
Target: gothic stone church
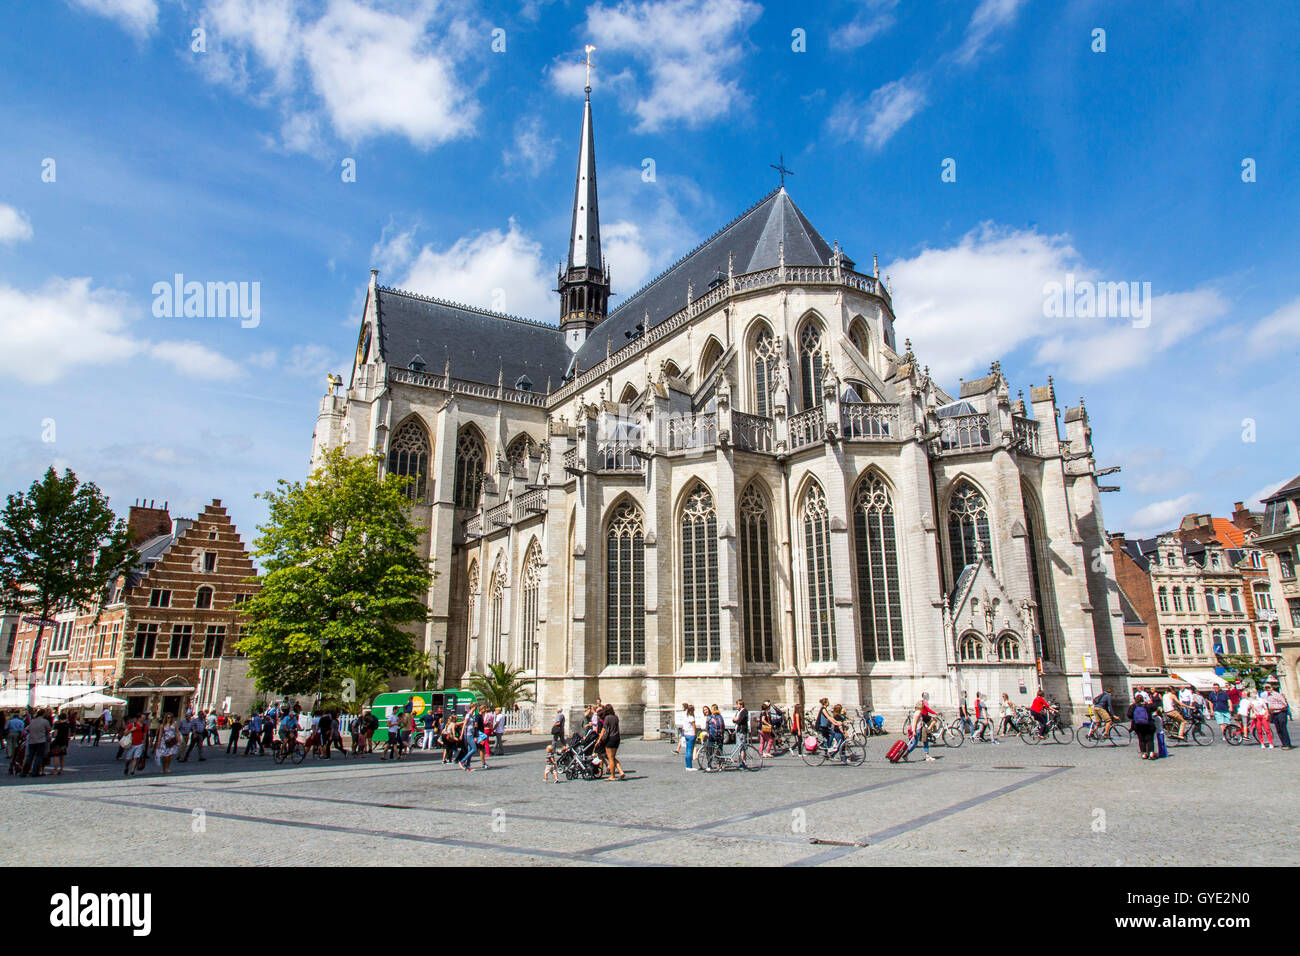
(734, 484)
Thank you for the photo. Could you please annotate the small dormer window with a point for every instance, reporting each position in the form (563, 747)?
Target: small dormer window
(524, 383)
(417, 364)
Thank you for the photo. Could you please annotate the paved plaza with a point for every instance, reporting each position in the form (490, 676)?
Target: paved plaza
(980, 804)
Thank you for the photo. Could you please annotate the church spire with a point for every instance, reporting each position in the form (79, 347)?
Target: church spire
(584, 285)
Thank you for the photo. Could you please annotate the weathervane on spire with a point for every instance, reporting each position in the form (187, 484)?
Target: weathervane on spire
(588, 48)
(780, 168)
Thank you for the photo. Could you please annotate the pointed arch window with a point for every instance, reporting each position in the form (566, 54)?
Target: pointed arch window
(625, 586)
(530, 591)
(701, 630)
(756, 578)
(498, 614)
(968, 529)
(1008, 648)
(471, 457)
(880, 607)
(408, 456)
(712, 354)
(518, 453)
(765, 360)
(971, 648)
(471, 611)
(817, 568)
(860, 336)
(810, 363)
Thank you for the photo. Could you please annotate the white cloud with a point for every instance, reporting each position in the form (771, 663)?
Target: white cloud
(138, 17)
(688, 50)
(14, 225)
(534, 150)
(358, 68)
(67, 327)
(1277, 331)
(875, 18)
(988, 18)
(1256, 498)
(501, 271)
(884, 114)
(983, 298)
(394, 250)
(1160, 515)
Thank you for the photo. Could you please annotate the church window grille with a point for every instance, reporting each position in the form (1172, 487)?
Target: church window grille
(756, 578)
(470, 459)
(532, 588)
(498, 619)
(817, 561)
(701, 630)
(968, 529)
(625, 586)
(1008, 648)
(765, 362)
(880, 609)
(471, 612)
(408, 456)
(810, 364)
(517, 455)
(972, 648)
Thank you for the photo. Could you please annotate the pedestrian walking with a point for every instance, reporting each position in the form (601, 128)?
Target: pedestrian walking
(38, 745)
(765, 729)
(557, 730)
(608, 743)
(196, 727)
(1259, 722)
(59, 742)
(169, 741)
(499, 725)
(469, 731)
(1279, 712)
(1142, 723)
(135, 733)
(232, 745)
(689, 733)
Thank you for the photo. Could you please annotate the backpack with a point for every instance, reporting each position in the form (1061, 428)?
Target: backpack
(1141, 715)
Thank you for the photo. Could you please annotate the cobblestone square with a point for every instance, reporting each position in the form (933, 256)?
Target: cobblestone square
(1008, 804)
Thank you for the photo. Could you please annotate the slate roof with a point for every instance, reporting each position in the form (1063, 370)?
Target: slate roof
(1131, 615)
(480, 344)
(1286, 490)
(753, 240)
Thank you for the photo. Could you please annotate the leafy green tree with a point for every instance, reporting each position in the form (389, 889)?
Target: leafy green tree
(342, 565)
(502, 686)
(60, 546)
(355, 688)
(1245, 669)
(423, 671)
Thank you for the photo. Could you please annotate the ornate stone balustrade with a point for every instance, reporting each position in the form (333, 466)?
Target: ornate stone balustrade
(618, 456)
(964, 432)
(530, 503)
(807, 428)
(406, 376)
(1026, 430)
(682, 432)
(751, 433)
(868, 421)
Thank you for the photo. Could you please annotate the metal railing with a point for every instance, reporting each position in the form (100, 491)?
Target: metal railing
(807, 428)
(868, 420)
(751, 432)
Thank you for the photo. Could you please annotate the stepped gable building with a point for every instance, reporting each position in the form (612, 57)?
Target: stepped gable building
(733, 484)
(164, 636)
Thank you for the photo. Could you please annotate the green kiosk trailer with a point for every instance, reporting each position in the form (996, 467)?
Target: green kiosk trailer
(452, 700)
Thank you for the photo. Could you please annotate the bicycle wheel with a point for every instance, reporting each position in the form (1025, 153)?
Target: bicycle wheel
(1203, 735)
(852, 753)
(1030, 736)
(1233, 735)
(813, 758)
(299, 753)
(953, 736)
(1063, 735)
(1088, 736)
(751, 759)
(860, 740)
(1119, 736)
(279, 754)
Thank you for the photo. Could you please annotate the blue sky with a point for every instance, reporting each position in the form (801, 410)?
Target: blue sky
(225, 165)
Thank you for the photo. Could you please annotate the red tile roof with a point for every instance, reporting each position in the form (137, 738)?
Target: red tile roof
(1228, 534)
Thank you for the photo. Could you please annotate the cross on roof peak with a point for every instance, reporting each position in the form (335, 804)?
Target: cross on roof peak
(779, 166)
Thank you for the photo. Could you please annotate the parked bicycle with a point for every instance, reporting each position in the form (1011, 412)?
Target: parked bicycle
(712, 758)
(1235, 736)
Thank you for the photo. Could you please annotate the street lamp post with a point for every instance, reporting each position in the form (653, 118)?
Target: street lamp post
(320, 687)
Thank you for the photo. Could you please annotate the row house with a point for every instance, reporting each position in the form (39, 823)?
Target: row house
(1279, 542)
(1137, 598)
(164, 636)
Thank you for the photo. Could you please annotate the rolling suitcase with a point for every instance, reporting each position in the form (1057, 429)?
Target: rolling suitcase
(897, 752)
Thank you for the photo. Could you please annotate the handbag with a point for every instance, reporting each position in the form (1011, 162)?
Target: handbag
(765, 727)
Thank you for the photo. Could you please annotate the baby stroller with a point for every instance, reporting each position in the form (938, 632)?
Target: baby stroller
(578, 759)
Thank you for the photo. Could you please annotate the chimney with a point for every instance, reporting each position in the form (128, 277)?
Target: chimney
(146, 521)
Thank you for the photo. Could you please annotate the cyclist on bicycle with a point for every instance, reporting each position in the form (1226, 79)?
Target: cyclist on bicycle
(1175, 713)
(289, 727)
(1103, 712)
(1040, 709)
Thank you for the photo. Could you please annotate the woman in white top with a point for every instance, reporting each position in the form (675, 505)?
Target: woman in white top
(1006, 713)
(689, 733)
(1259, 721)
